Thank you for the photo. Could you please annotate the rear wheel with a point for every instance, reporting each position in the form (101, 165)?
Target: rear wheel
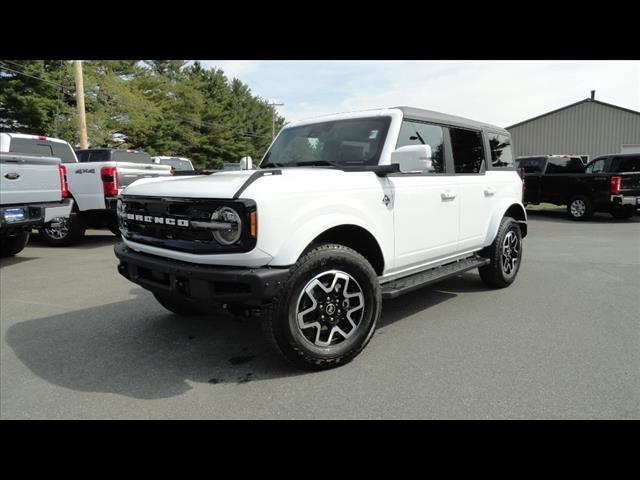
(67, 232)
(580, 208)
(12, 245)
(328, 309)
(177, 306)
(623, 212)
(505, 254)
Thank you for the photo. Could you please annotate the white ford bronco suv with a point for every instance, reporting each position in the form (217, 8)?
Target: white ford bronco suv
(343, 211)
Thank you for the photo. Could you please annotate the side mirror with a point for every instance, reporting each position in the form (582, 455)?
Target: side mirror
(413, 158)
(246, 163)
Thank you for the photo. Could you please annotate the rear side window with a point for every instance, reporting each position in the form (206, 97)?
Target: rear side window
(63, 151)
(132, 157)
(468, 153)
(625, 164)
(565, 165)
(31, 146)
(596, 166)
(501, 152)
(417, 133)
(531, 165)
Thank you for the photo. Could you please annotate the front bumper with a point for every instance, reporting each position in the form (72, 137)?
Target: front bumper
(207, 284)
(626, 200)
(37, 215)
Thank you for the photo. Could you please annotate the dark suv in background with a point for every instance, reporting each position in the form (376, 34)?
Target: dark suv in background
(609, 183)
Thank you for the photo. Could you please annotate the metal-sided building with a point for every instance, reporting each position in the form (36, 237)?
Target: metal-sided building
(587, 128)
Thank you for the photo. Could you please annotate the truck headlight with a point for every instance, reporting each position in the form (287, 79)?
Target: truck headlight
(227, 236)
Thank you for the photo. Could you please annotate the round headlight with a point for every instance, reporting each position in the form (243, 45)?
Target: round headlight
(230, 235)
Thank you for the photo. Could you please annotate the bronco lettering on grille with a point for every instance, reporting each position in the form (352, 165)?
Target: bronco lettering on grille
(161, 220)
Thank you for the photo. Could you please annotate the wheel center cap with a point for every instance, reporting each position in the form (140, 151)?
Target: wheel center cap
(331, 308)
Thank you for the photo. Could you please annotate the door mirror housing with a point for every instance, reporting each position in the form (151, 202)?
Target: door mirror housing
(413, 158)
(246, 163)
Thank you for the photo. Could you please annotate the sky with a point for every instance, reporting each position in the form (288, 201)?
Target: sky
(497, 92)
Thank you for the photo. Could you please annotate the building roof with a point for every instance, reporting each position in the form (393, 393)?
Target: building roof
(586, 100)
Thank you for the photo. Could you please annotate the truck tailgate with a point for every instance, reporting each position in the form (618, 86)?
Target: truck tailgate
(129, 172)
(630, 183)
(28, 179)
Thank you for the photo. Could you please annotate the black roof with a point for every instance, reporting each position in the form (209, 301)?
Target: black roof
(573, 105)
(445, 118)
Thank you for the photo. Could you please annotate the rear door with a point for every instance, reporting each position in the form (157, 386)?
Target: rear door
(559, 179)
(476, 189)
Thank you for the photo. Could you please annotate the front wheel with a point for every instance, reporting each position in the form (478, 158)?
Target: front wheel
(67, 232)
(505, 254)
(328, 309)
(10, 246)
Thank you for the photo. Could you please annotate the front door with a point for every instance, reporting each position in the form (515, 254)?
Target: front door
(425, 204)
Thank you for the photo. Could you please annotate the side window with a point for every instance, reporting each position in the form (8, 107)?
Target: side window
(531, 165)
(417, 133)
(596, 166)
(501, 153)
(468, 153)
(63, 151)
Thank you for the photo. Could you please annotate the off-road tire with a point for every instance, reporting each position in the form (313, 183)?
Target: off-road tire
(76, 229)
(623, 212)
(177, 306)
(10, 246)
(585, 206)
(493, 274)
(280, 324)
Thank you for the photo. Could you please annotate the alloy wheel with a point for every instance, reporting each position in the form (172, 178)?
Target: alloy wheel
(510, 252)
(330, 308)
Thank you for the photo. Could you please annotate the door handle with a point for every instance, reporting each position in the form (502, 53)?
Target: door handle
(489, 191)
(447, 195)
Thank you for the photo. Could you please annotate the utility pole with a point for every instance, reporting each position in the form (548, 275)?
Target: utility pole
(273, 118)
(82, 121)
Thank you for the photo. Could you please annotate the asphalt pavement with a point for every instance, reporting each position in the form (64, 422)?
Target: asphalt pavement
(79, 341)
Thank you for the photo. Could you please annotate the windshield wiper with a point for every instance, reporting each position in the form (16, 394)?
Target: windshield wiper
(270, 165)
(318, 163)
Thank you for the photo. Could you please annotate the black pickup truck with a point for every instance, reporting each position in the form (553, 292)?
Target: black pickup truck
(609, 183)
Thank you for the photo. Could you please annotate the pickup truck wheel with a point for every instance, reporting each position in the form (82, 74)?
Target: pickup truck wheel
(177, 306)
(580, 208)
(12, 245)
(328, 309)
(624, 212)
(505, 254)
(70, 232)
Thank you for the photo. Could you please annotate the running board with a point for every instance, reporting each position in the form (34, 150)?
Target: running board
(433, 275)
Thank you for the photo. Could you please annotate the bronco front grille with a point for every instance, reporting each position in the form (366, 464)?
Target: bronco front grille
(167, 223)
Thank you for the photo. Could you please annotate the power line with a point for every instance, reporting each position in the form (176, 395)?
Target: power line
(245, 133)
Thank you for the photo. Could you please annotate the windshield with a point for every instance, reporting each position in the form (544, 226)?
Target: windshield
(340, 142)
(177, 164)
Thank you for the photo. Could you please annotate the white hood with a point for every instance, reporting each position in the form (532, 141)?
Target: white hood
(217, 185)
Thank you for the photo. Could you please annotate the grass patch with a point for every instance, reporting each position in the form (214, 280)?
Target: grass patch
(545, 206)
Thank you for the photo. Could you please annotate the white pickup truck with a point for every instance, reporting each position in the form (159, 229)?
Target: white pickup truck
(94, 182)
(33, 192)
(343, 212)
